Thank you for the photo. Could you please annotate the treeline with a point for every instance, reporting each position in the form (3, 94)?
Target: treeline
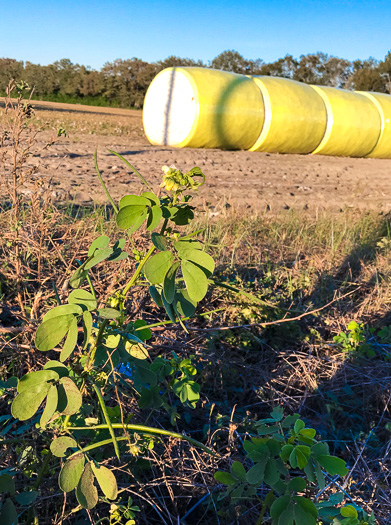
(123, 83)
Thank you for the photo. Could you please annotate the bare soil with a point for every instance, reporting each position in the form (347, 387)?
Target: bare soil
(240, 179)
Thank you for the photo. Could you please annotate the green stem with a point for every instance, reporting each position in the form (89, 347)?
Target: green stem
(92, 352)
(107, 419)
(103, 184)
(132, 168)
(43, 470)
(138, 271)
(91, 286)
(267, 503)
(140, 429)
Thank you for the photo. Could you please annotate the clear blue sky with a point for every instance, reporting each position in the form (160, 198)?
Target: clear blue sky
(94, 32)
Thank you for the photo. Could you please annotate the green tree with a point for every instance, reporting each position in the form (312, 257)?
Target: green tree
(234, 62)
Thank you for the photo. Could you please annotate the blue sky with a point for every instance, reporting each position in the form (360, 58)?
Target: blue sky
(94, 32)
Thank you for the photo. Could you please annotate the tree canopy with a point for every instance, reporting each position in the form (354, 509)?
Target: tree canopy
(124, 82)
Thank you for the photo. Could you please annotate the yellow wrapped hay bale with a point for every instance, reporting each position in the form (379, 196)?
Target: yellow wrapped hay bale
(295, 116)
(382, 150)
(353, 123)
(203, 108)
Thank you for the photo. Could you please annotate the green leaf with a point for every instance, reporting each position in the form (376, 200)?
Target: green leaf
(86, 492)
(82, 298)
(256, 473)
(238, 471)
(157, 266)
(70, 473)
(128, 215)
(62, 310)
(59, 446)
(271, 475)
(183, 305)
(108, 313)
(26, 498)
(302, 517)
(302, 454)
(138, 222)
(333, 465)
(195, 279)
(51, 405)
(69, 397)
(87, 328)
(151, 196)
(299, 425)
(309, 433)
(51, 332)
(307, 505)
(8, 514)
(98, 257)
(134, 200)
(40, 377)
(277, 413)
(106, 480)
(70, 341)
(99, 243)
(27, 402)
(349, 512)
(224, 478)
(169, 310)
(156, 297)
(286, 451)
(143, 333)
(78, 277)
(297, 485)
(183, 244)
(279, 506)
(169, 283)
(159, 241)
(290, 420)
(154, 217)
(57, 367)
(200, 258)
(7, 484)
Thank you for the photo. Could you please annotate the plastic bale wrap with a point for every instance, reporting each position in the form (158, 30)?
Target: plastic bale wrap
(353, 123)
(382, 150)
(203, 108)
(295, 116)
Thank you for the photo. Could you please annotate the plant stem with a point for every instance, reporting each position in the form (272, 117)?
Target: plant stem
(138, 271)
(107, 419)
(132, 168)
(140, 429)
(92, 352)
(42, 470)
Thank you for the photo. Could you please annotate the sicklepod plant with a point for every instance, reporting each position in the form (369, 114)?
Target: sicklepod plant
(100, 343)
